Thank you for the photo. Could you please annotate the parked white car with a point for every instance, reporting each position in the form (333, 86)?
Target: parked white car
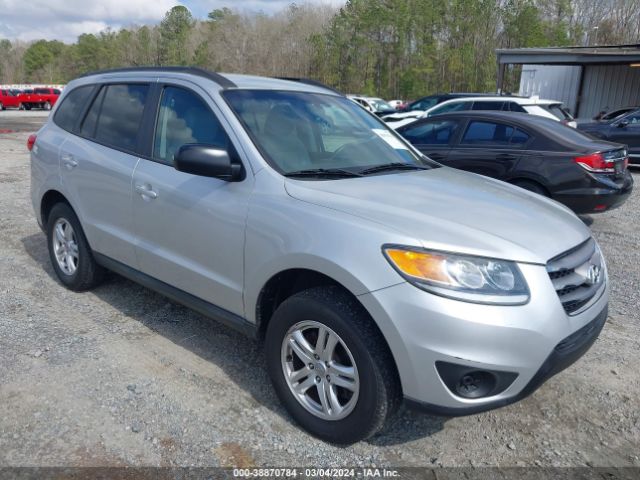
(373, 104)
(552, 109)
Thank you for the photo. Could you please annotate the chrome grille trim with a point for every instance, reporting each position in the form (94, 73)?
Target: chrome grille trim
(571, 258)
(569, 273)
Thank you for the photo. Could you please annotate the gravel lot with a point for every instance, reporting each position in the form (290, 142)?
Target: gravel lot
(122, 376)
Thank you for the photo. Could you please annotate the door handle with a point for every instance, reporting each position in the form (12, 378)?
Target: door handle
(435, 156)
(69, 161)
(506, 156)
(146, 192)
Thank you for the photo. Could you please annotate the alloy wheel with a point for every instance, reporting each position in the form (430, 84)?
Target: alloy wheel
(320, 370)
(65, 246)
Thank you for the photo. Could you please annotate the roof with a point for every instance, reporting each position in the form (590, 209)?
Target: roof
(601, 54)
(501, 98)
(224, 80)
(532, 123)
(512, 117)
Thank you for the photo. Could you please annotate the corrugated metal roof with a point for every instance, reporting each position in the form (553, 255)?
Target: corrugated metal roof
(601, 54)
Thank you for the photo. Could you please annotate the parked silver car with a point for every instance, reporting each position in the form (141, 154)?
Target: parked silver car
(281, 208)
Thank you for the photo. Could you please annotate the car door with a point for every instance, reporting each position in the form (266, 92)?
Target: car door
(488, 147)
(627, 131)
(432, 137)
(97, 166)
(190, 229)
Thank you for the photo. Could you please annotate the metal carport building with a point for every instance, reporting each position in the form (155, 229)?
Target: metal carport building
(586, 79)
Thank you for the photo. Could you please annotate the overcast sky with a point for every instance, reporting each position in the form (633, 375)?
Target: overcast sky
(66, 19)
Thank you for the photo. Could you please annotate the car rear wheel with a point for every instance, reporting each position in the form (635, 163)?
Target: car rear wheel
(2, 107)
(532, 187)
(47, 106)
(69, 250)
(330, 365)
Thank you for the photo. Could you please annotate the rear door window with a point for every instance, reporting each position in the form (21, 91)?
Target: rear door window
(488, 105)
(487, 133)
(121, 114)
(72, 107)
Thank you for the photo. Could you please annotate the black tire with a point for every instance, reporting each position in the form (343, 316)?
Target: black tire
(88, 273)
(46, 106)
(379, 393)
(2, 107)
(27, 107)
(532, 187)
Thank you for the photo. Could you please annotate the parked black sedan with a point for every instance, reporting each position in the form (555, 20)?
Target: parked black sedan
(622, 129)
(538, 154)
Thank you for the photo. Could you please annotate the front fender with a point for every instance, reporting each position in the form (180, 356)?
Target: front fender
(284, 233)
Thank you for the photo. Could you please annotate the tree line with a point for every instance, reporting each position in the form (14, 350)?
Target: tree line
(388, 48)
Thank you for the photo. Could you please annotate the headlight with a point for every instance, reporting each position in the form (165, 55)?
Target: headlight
(462, 277)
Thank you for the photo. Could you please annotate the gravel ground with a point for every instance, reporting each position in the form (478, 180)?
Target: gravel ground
(122, 376)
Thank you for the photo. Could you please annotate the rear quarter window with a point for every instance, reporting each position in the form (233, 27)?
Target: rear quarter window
(72, 107)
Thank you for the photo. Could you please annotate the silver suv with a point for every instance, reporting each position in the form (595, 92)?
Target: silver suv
(281, 208)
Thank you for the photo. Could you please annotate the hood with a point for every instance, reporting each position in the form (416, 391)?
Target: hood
(446, 209)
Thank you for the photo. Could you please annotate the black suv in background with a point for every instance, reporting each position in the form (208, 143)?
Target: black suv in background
(586, 174)
(623, 129)
(425, 103)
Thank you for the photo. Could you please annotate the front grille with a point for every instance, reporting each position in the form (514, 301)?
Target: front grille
(577, 275)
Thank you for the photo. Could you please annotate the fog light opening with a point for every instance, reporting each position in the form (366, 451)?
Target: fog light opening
(468, 382)
(476, 384)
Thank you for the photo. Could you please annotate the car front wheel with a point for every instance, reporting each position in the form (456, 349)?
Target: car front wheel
(330, 366)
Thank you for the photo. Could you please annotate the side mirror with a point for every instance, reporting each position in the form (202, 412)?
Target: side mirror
(207, 161)
(622, 123)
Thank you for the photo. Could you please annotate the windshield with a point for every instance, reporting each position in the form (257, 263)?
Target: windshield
(381, 106)
(423, 104)
(298, 131)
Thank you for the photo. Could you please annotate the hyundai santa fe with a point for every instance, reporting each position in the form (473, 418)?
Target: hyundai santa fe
(372, 274)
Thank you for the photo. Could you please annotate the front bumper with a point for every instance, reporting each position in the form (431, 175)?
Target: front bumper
(531, 342)
(563, 355)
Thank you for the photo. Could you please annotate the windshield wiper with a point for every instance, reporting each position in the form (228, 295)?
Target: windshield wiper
(323, 172)
(392, 166)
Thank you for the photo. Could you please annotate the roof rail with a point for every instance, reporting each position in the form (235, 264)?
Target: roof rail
(310, 81)
(201, 72)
